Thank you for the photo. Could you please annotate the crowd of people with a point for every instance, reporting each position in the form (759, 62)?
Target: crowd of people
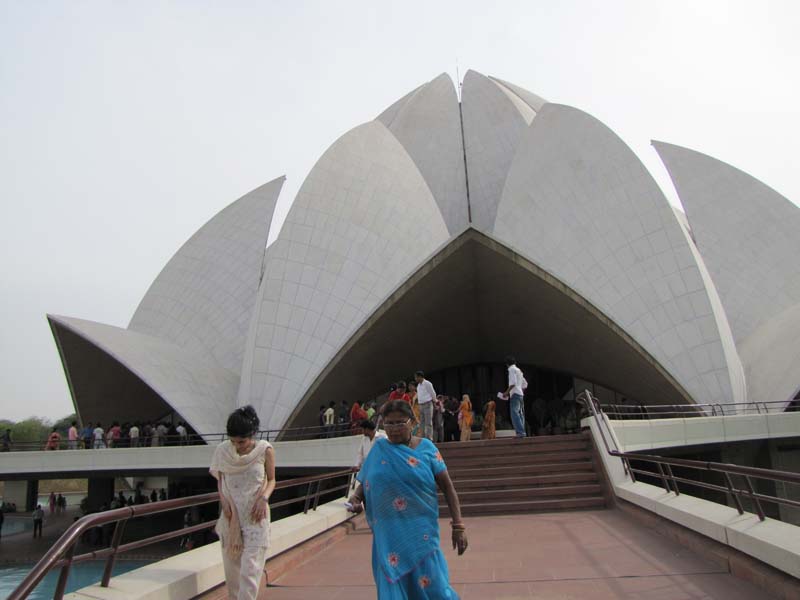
(439, 418)
(127, 435)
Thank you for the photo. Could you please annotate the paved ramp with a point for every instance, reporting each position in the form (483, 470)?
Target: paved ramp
(589, 555)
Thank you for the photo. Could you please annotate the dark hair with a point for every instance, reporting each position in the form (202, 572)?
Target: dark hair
(400, 406)
(510, 361)
(367, 424)
(401, 384)
(243, 422)
(419, 374)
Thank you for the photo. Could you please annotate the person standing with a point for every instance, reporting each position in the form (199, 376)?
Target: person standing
(7, 441)
(367, 441)
(398, 483)
(133, 434)
(72, 436)
(87, 434)
(98, 437)
(399, 393)
(183, 435)
(425, 397)
(53, 440)
(330, 419)
(489, 421)
(438, 420)
(2, 518)
(245, 472)
(370, 410)
(51, 501)
(451, 424)
(515, 393)
(38, 518)
(465, 418)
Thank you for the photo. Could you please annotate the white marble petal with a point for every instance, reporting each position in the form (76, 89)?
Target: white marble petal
(203, 298)
(493, 127)
(580, 204)
(202, 392)
(428, 125)
(747, 234)
(363, 220)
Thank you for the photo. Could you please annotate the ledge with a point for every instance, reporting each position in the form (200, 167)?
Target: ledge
(197, 571)
(773, 542)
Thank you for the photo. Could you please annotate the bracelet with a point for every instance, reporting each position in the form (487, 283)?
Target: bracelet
(458, 526)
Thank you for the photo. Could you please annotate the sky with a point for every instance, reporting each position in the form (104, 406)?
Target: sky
(126, 125)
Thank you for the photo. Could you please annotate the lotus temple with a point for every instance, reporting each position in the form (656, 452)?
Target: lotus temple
(443, 235)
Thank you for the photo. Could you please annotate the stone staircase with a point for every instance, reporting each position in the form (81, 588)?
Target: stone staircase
(504, 476)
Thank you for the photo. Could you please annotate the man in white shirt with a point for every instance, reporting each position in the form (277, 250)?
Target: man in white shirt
(134, 435)
(515, 393)
(183, 435)
(425, 397)
(367, 440)
(98, 437)
(329, 418)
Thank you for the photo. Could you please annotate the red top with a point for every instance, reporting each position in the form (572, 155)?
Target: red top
(395, 395)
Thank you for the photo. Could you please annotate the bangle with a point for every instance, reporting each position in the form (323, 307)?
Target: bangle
(459, 526)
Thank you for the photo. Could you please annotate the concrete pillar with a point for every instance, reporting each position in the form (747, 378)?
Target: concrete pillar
(101, 491)
(22, 493)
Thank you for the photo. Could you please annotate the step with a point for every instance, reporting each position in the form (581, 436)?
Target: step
(515, 449)
(524, 459)
(522, 494)
(510, 441)
(525, 481)
(459, 473)
(527, 506)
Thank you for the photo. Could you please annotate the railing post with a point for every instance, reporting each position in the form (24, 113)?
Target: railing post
(115, 542)
(63, 577)
(316, 496)
(307, 503)
(734, 493)
(631, 474)
(755, 500)
(672, 478)
(663, 477)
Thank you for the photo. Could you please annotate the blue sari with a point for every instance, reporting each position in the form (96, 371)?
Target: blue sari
(403, 510)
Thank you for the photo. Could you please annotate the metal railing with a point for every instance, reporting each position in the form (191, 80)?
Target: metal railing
(62, 554)
(193, 439)
(670, 411)
(744, 489)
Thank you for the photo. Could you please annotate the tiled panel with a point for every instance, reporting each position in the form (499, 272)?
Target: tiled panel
(428, 125)
(493, 127)
(201, 391)
(580, 204)
(362, 221)
(203, 298)
(747, 234)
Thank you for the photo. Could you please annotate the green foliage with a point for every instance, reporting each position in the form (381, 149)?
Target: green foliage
(64, 423)
(35, 429)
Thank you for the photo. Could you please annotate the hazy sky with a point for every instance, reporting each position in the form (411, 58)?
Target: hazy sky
(124, 126)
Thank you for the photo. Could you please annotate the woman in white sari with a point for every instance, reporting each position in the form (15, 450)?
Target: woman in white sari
(245, 471)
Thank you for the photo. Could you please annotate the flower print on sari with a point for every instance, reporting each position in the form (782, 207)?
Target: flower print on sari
(400, 504)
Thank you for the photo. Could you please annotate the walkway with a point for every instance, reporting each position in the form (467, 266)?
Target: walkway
(589, 555)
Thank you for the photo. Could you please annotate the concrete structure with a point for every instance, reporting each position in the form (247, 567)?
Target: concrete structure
(449, 232)
(770, 541)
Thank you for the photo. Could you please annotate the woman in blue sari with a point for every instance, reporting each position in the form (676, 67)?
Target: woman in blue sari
(398, 486)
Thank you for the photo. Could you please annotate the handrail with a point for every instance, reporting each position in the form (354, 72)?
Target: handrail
(61, 554)
(661, 411)
(195, 439)
(670, 481)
